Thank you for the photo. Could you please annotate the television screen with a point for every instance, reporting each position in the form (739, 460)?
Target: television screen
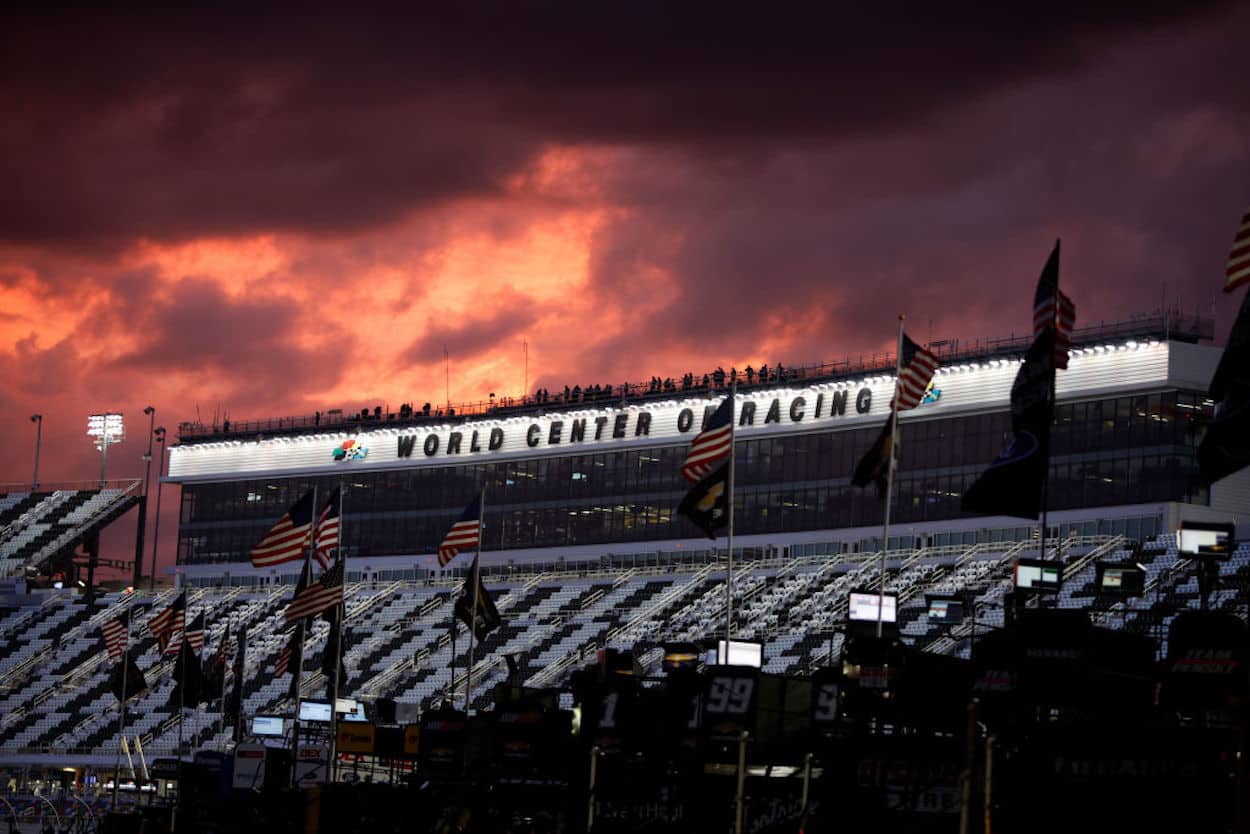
(350, 709)
(1196, 538)
(1038, 575)
(316, 711)
(946, 609)
(1121, 579)
(863, 607)
(268, 725)
(740, 653)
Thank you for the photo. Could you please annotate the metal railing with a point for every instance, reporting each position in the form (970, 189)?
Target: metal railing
(1158, 324)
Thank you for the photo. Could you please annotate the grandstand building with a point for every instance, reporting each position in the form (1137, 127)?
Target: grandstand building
(597, 480)
(583, 549)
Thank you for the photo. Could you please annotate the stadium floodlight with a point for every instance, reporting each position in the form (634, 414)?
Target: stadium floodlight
(107, 429)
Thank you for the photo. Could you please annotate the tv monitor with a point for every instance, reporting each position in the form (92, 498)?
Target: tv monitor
(268, 725)
(1039, 575)
(1122, 580)
(315, 711)
(946, 609)
(862, 607)
(349, 709)
(740, 653)
(1212, 540)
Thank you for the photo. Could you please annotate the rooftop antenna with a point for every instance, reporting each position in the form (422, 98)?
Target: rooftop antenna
(446, 378)
(525, 355)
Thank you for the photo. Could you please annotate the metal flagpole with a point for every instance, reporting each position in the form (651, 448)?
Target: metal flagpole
(889, 474)
(121, 719)
(338, 642)
(222, 651)
(182, 680)
(298, 673)
(477, 582)
(729, 564)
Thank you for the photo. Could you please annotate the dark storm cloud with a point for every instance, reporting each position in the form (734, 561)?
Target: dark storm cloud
(251, 349)
(505, 315)
(172, 125)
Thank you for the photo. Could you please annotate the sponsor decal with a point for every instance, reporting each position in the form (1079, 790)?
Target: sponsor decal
(350, 450)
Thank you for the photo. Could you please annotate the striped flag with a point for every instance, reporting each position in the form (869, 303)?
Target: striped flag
(288, 657)
(167, 626)
(327, 535)
(464, 534)
(1051, 308)
(917, 370)
(712, 445)
(195, 634)
(286, 540)
(1237, 270)
(223, 650)
(115, 634)
(319, 596)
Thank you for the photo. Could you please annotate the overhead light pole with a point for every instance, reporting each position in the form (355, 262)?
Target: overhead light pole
(107, 429)
(37, 419)
(159, 434)
(143, 504)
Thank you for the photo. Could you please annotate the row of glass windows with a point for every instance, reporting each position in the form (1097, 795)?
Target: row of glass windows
(631, 496)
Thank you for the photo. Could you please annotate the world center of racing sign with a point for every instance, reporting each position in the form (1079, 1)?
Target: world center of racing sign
(861, 403)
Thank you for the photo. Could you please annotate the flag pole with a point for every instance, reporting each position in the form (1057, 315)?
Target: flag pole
(477, 583)
(298, 673)
(121, 718)
(1054, 326)
(889, 475)
(338, 643)
(729, 563)
(222, 651)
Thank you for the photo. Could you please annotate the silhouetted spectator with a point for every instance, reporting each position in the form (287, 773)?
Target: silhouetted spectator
(705, 381)
(763, 373)
(750, 372)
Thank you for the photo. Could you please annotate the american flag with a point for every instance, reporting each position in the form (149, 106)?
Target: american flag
(712, 445)
(286, 540)
(290, 651)
(917, 370)
(1051, 308)
(1237, 270)
(223, 651)
(327, 535)
(167, 626)
(115, 634)
(464, 534)
(319, 596)
(195, 634)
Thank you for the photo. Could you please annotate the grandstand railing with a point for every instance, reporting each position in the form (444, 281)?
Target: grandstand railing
(1159, 324)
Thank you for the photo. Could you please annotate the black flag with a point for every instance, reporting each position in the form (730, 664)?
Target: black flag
(135, 682)
(1014, 483)
(1225, 448)
(874, 466)
(707, 502)
(334, 642)
(235, 698)
(487, 619)
(190, 684)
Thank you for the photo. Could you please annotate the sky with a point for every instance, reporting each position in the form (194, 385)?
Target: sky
(239, 216)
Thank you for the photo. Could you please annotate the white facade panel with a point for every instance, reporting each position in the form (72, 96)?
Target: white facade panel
(963, 389)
